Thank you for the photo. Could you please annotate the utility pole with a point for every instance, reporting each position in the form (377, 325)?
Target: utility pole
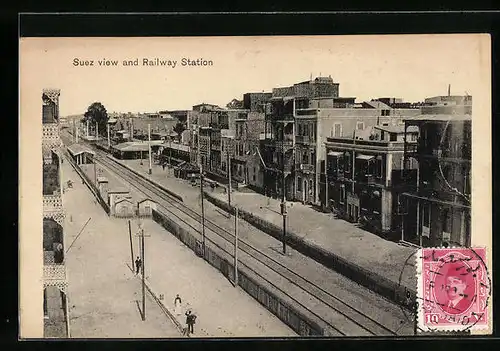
(202, 210)
(96, 131)
(109, 139)
(327, 202)
(236, 246)
(131, 246)
(229, 179)
(141, 236)
(143, 282)
(283, 200)
(77, 131)
(149, 147)
(87, 130)
(95, 171)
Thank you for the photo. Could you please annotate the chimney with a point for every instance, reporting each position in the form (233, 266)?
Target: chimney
(449, 89)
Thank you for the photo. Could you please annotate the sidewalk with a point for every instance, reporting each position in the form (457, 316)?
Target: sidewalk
(97, 265)
(102, 292)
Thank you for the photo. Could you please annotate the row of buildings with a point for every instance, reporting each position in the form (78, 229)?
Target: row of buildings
(399, 169)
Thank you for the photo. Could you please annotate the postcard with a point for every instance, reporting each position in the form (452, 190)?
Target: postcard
(273, 186)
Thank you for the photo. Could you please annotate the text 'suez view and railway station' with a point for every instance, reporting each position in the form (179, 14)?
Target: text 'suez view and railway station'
(290, 212)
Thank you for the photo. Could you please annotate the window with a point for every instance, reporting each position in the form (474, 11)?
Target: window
(313, 157)
(299, 184)
(300, 129)
(426, 215)
(467, 180)
(379, 167)
(360, 125)
(446, 220)
(393, 137)
(337, 128)
(342, 193)
(347, 162)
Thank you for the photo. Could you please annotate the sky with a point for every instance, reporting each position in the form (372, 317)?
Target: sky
(411, 67)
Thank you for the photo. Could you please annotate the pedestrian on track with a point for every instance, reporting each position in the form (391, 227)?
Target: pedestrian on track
(138, 264)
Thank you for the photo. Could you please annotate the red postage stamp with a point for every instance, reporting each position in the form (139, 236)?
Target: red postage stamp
(454, 288)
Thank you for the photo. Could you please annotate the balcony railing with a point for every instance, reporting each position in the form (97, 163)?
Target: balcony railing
(305, 167)
(54, 272)
(52, 203)
(304, 139)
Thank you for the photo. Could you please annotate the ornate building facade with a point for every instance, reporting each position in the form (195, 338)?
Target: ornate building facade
(54, 269)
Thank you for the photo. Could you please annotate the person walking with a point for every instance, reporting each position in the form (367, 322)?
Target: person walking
(177, 305)
(190, 321)
(138, 264)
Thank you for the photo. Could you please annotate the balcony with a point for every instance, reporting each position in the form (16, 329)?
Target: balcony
(304, 139)
(305, 168)
(52, 203)
(54, 272)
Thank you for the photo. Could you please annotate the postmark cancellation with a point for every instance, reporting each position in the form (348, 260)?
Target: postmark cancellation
(454, 289)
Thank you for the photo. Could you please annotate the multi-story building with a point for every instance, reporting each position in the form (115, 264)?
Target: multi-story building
(246, 159)
(318, 121)
(256, 102)
(54, 269)
(364, 177)
(438, 207)
(277, 148)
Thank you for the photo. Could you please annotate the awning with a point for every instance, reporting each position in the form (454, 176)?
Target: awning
(335, 153)
(365, 157)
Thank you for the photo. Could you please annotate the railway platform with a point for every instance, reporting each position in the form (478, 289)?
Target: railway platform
(105, 295)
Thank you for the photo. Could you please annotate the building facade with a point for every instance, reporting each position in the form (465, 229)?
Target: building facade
(54, 269)
(313, 125)
(364, 178)
(439, 206)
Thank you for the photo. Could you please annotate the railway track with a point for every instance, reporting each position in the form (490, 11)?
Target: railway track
(337, 315)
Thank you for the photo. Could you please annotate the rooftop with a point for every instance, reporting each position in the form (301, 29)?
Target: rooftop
(439, 118)
(132, 146)
(77, 149)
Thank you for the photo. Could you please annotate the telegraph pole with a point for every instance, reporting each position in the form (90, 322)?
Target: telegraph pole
(141, 236)
(236, 246)
(229, 179)
(149, 147)
(202, 210)
(131, 246)
(283, 200)
(143, 282)
(96, 131)
(109, 140)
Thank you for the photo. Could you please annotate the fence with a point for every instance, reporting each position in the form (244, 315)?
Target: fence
(90, 185)
(371, 280)
(301, 324)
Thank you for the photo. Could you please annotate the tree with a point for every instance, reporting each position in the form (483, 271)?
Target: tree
(179, 128)
(96, 113)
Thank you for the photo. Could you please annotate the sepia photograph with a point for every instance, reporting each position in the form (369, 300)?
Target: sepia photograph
(267, 186)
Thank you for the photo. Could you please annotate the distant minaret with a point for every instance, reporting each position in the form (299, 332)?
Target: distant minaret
(449, 89)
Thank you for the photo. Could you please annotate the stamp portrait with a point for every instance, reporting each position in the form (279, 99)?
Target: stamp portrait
(453, 289)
